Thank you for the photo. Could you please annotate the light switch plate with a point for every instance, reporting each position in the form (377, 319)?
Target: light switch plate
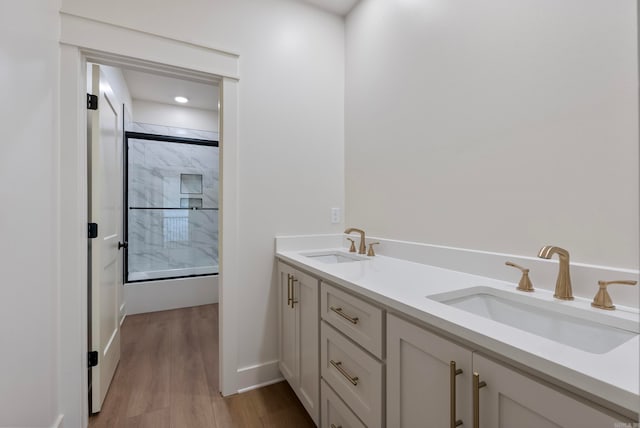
(335, 215)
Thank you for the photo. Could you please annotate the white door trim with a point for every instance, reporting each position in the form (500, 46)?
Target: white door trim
(139, 47)
(83, 39)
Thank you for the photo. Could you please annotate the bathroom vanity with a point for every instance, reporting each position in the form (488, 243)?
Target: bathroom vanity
(385, 342)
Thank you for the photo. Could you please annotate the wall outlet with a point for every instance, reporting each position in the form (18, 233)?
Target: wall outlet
(335, 215)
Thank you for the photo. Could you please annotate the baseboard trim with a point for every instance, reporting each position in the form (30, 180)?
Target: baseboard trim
(123, 313)
(260, 385)
(58, 422)
(259, 375)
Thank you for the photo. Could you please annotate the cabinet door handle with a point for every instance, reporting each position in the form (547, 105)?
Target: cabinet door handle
(352, 320)
(477, 384)
(289, 276)
(293, 299)
(338, 366)
(453, 372)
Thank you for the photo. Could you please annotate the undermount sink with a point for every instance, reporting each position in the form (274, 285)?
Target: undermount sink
(575, 327)
(333, 257)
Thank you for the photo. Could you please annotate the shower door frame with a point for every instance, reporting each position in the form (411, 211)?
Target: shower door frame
(168, 139)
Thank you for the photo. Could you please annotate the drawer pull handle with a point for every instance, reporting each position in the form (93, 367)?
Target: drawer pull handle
(477, 384)
(338, 366)
(352, 320)
(333, 426)
(453, 372)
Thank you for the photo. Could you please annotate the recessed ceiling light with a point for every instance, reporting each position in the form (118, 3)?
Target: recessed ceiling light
(181, 100)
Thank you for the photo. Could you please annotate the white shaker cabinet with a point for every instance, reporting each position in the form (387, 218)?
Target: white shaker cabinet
(298, 335)
(335, 412)
(420, 392)
(358, 320)
(351, 364)
(512, 400)
(355, 376)
(424, 389)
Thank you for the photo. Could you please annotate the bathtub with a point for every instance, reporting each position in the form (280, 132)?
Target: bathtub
(164, 291)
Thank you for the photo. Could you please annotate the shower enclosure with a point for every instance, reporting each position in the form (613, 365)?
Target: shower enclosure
(172, 207)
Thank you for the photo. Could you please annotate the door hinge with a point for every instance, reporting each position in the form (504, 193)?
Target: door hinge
(92, 358)
(92, 102)
(93, 230)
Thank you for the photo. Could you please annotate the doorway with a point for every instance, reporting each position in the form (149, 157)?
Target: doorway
(81, 41)
(153, 190)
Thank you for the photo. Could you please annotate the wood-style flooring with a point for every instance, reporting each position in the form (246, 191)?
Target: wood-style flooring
(168, 378)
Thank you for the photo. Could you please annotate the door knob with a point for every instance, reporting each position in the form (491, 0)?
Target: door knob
(124, 244)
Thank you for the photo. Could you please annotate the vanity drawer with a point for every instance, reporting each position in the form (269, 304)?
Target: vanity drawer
(334, 412)
(353, 317)
(353, 374)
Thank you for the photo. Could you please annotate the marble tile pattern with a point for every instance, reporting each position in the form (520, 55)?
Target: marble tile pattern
(159, 238)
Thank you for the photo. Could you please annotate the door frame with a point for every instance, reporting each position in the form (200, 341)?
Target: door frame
(85, 40)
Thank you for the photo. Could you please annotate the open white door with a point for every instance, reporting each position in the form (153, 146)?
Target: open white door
(105, 209)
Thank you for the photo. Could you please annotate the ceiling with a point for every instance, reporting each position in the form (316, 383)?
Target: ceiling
(162, 89)
(339, 7)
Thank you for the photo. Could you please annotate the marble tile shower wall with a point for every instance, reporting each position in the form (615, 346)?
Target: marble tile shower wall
(166, 175)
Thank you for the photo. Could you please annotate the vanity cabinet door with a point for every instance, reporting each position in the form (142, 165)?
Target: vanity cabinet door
(419, 378)
(512, 400)
(298, 326)
(287, 328)
(305, 297)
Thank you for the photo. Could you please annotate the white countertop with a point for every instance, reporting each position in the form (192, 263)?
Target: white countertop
(402, 286)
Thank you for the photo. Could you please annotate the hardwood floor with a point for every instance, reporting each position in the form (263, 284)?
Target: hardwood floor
(168, 378)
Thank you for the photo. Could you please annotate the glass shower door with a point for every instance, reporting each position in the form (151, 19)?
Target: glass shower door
(172, 207)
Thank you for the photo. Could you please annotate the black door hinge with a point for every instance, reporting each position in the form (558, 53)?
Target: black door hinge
(92, 102)
(92, 358)
(93, 230)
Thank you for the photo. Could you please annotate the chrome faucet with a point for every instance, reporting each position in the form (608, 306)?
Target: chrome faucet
(362, 248)
(563, 283)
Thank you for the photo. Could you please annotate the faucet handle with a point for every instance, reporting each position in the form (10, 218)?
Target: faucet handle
(602, 300)
(371, 253)
(525, 283)
(352, 248)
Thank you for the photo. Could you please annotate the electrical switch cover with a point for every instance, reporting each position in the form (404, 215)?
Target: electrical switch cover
(335, 215)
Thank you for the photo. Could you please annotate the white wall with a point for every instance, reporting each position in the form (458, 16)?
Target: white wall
(29, 213)
(498, 125)
(174, 116)
(291, 127)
